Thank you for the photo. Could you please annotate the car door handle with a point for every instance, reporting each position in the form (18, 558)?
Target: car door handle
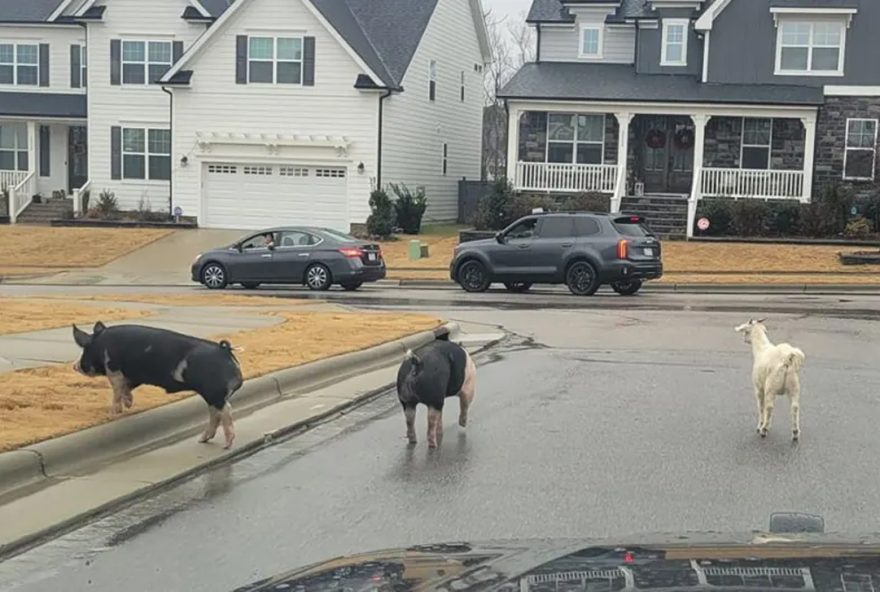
(567, 245)
(524, 246)
(304, 254)
(268, 256)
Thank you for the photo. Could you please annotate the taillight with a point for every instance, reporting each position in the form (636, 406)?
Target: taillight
(351, 252)
(623, 249)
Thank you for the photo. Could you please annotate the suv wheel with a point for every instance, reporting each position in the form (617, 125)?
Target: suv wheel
(627, 288)
(518, 287)
(473, 277)
(581, 279)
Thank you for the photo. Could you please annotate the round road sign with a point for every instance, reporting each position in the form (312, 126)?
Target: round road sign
(703, 223)
(178, 211)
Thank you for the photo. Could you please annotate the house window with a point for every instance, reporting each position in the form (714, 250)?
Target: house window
(277, 60)
(146, 154)
(591, 41)
(576, 139)
(13, 147)
(757, 137)
(19, 64)
(810, 48)
(674, 41)
(462, 86)
(432, 81)
(145, 62)
(84, 65)
(330, 173)
(445, 159)
(861, 150)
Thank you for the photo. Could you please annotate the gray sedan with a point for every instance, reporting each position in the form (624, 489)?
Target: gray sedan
(315, 257)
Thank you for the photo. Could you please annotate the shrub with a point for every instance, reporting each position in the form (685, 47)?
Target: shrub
(858, 227)
(785, 219)
(835, 202)
(720, 215)
(86, 196)
(492, 213)
(381, 221)
(749, 217)
(408, 208)
(107, 204)
(813, 221)
(586, 202)
(523, 205)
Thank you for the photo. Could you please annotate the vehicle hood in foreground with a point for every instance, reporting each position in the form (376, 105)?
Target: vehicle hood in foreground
(694, 562)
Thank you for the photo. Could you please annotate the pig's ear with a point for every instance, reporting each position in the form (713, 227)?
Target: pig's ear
(81, 338)
(99, 326)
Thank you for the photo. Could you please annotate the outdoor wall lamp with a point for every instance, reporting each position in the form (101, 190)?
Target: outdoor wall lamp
(184, 160)
(361, 168)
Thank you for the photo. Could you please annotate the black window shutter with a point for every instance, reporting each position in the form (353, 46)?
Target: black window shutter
(44, 64)
(115, 152)
(432, 90)
(115, 62)
(309, 61)
(241, 59)
(75, 67)
(45, 166)
(177, 50)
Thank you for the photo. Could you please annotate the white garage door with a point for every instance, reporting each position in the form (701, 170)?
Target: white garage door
(255, 196)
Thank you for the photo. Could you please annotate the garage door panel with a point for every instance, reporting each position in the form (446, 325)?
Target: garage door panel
(254, 196)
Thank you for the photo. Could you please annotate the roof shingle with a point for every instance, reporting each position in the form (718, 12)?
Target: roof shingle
(30, 104)
(27, 11)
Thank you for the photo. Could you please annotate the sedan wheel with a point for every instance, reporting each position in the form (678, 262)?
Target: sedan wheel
(318, 278)
(518, 287)
(473, 277)
(627, 288)
(214, 276)
(581, 279)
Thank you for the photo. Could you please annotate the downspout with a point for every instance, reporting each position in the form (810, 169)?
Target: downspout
(171, 156)
(538, 43)
(382, 98)
(507, 140)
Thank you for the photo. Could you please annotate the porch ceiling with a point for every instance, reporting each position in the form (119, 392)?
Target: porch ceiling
(43, 105)
(619, 82)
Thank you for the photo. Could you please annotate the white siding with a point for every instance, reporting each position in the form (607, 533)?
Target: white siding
(332, 107)
(57, 178)
(562, 43)
(416, 128)
(136, 106)
(59, 39)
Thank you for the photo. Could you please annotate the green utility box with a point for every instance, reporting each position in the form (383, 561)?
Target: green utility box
(417, 250)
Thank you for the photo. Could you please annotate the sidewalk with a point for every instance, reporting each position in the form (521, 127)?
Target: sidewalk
(80, 495)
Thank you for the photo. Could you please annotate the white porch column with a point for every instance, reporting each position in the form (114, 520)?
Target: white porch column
(513, 144)
(700, 122)
(623, 120)
(32, 146)
(809, 157)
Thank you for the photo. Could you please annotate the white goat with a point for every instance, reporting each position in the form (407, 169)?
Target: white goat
(775, 373)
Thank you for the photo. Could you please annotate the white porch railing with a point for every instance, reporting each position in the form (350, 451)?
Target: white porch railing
(10, 179)
(540, 176)
(753, 183)
(21, 195)
(78, 198)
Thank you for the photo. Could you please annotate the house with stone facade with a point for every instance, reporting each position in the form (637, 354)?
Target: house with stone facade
(662, 103)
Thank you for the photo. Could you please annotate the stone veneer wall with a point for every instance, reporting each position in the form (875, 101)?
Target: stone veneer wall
(831, 142)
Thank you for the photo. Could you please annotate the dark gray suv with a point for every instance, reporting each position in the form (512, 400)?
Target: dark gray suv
(581, 250)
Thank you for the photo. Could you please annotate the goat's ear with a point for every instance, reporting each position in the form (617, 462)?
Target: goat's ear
(760, 321)
(741, 328)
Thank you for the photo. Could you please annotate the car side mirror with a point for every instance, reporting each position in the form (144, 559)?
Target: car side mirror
(239, 248)
(499, 236)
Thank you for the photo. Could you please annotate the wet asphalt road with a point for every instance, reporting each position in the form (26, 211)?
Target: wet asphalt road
(586, 423)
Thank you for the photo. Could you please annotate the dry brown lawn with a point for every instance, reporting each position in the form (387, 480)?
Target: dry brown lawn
(853, 279)
(21, 315)
(51, 401)
(37, 247)
(396, 253)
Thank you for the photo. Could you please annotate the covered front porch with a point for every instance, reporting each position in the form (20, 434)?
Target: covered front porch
(40, 157)
(686, 150)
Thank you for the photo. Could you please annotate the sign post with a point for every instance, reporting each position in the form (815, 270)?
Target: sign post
(178, 212)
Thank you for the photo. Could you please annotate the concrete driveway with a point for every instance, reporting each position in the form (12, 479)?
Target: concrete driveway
(162, 263)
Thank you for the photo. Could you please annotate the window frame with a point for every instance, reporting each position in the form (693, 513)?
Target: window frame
(841, 57)
(575, 141)
(146, 64)
(743, 145)
(147, 154)
(275, 61)
(84, 65)
(15, 64)
(17, 149)
(847, 149)
(668, 23)
(600, 43)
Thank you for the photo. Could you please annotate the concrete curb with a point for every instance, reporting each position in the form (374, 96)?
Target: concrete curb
(75, 453)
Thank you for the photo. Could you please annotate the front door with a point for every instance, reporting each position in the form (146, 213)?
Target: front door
(77, 157)
(667, 154)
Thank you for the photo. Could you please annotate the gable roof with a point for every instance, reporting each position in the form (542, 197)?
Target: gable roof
(27, 11)
(215, 7)
(382, 35)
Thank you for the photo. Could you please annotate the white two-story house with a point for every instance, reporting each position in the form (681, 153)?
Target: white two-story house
(249, 113)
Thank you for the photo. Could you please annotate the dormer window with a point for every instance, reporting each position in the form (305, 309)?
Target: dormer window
(675, 38)
(591, 41)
